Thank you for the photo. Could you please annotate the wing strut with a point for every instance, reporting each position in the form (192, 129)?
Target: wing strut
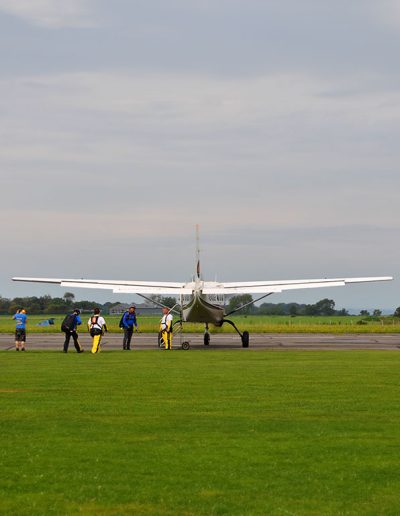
(159, 304)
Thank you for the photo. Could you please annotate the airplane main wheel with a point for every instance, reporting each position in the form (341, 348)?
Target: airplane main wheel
(206, 339)
(245, 339)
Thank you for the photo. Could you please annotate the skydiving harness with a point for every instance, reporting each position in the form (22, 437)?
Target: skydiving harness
(164, 325)
(93, 322)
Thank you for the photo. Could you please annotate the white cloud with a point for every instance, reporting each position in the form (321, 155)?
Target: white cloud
(50, 13)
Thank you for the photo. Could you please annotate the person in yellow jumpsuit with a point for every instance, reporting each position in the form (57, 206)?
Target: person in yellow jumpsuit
(166, 328)
(97, 326)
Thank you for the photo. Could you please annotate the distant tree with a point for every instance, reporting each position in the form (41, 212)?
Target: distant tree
(168, 301)
(89, 305)
(155, 298)
(13, 308)
(364, 313)
(237, 301)
(310, 310)
(108, 305)
(69, 297)
(377, 313)
(293, 309)
(34, 308)
(343, 311)
(4, 305)
(56, 308)
(267, 309)
(397, 312)
(325, 307)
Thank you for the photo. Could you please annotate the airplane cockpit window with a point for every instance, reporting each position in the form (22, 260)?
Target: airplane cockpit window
(216, 299)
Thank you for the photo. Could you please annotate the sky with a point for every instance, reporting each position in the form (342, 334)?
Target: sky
(272, 124)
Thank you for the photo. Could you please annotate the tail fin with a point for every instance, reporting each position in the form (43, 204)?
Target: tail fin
(197, 253)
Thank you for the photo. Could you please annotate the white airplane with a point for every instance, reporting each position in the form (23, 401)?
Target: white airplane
(203, 301)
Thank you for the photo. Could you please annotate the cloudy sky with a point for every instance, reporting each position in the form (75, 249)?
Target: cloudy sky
(273, 124)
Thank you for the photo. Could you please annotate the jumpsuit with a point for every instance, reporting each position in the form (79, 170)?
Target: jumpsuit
(166, 330)
(74, 334)
(97, 327)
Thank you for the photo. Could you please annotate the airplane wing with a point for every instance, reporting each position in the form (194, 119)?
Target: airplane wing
(209, 287)
(262, 287)
(117, 286)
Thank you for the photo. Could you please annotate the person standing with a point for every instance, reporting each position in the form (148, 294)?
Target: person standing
(69, 327)
(166, 328)
(20, 329)
(129, 322)
(97, 326)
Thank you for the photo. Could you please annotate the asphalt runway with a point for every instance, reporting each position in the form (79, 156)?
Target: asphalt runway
(258, 341)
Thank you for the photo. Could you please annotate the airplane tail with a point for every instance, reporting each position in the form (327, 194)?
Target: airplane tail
(198, 274)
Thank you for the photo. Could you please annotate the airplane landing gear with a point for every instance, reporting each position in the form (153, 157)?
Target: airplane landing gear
(245, 337)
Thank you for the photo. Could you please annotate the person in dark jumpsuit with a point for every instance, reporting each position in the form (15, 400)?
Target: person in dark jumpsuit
(73, 333)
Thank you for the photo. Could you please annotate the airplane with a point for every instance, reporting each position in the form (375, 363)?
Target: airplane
(203, 301)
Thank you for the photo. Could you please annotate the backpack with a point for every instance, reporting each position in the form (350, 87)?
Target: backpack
(121, 321)
(68, 323)
(94, 331)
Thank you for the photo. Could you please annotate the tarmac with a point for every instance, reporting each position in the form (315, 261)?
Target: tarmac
(258, 342)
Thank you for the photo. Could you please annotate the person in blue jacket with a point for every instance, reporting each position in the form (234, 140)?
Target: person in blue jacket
(20, 330)
(129, 322)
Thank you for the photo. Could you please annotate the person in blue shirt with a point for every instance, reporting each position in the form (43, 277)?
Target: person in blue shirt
(129, 322)
(20, 329)
(69, 326)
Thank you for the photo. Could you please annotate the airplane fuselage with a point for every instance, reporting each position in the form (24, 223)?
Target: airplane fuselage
(200, 307)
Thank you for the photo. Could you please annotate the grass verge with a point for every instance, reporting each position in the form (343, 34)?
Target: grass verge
(200, 433)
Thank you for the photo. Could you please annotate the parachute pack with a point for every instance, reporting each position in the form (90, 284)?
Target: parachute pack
(68, 323)
(121, 321)
(94, 331)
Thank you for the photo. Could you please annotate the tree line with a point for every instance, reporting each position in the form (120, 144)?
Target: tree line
(60, 305)
(48, 305)
(323, 307)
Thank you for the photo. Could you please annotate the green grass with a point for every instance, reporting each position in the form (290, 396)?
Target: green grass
(218, 432)
(253, 324)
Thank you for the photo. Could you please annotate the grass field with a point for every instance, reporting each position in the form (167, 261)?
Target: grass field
(253, 324)
(232, 432)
